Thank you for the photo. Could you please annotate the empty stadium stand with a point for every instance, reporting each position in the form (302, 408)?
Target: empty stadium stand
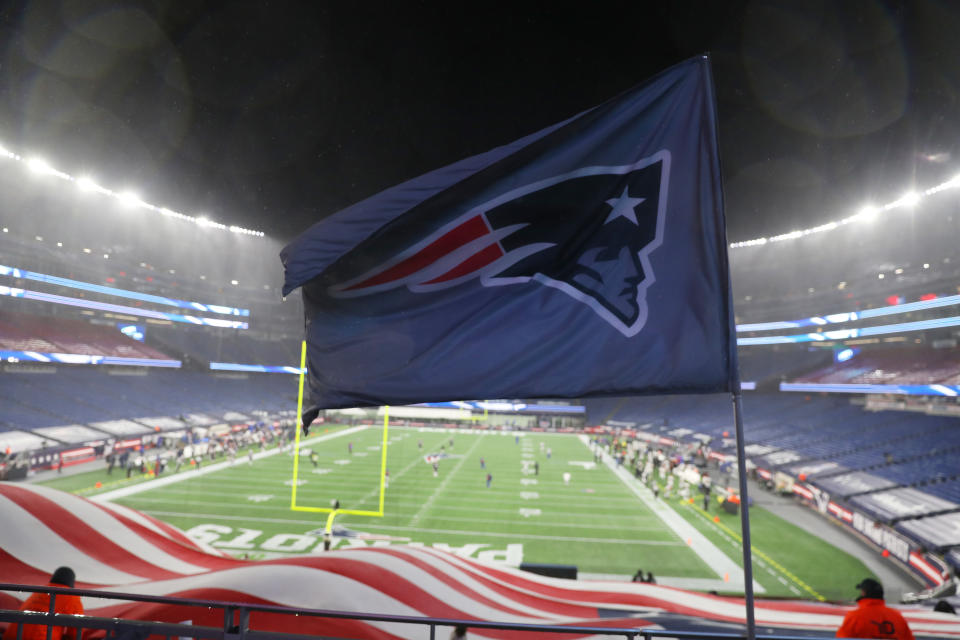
(218, 345)
(904, 365)
(821, 437)
(85, 396)
(54, 334)
(890, 476)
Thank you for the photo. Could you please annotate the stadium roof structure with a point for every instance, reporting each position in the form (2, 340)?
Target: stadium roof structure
(823, 108)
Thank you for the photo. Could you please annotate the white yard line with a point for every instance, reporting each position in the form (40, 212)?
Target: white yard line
(443, 484)
(627, 521)
(376, 492)
(149, 485)
(230, 489)
(715, 559)
(453, 532)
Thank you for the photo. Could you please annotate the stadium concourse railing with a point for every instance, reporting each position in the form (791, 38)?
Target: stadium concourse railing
(236, 621)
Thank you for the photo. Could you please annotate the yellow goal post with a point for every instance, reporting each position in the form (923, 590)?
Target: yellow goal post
(296, 457)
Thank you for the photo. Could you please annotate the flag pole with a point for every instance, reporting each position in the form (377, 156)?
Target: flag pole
(744, 515)
(736, 389)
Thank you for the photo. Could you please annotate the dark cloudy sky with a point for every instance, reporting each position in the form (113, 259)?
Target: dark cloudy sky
(275, 114)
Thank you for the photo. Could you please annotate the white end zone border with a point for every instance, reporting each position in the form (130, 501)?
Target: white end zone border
(711, 555)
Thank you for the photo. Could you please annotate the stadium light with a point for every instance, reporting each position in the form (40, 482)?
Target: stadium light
(866, 214)
(42, 167)
(880, 275)
(909, 199)
(87, 184)
(926, 265)
(129, 199)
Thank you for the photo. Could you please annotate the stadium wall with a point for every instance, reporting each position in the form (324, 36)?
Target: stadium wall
(907, 553)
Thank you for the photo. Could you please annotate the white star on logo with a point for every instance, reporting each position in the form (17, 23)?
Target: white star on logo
(624, 206)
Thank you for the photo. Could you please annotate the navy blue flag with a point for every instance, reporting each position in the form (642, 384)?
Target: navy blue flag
(586, 259)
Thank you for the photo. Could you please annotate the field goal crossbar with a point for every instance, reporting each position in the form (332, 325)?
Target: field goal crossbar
(296, 456)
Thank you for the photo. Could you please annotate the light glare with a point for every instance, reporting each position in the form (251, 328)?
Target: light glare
(128, 198)
(909, 199)
(39, 165)
(86, 184)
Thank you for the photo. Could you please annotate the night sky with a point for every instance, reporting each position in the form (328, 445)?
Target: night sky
(273, 115)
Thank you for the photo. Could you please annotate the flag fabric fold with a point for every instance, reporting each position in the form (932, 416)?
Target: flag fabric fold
(41, 533)
(588, 258)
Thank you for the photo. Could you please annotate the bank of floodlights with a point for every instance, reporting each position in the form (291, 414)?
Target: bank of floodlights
(127, 199)
(866, 214)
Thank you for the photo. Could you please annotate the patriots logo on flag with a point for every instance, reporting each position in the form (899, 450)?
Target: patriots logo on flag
(587, 233)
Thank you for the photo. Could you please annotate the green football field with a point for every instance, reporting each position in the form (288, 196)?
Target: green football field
(603, 521)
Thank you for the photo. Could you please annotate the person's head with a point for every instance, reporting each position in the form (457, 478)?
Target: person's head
(64, 576)
(870, 588)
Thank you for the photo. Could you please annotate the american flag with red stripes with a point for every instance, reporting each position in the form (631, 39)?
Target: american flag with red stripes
(117, 549)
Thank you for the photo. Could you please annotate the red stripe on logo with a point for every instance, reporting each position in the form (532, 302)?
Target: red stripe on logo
(477, 261)
(470, 230)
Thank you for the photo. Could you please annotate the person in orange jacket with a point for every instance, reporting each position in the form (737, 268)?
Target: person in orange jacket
(873, 618)
(62, 577)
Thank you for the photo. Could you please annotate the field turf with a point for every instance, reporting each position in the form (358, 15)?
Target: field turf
(603, 523)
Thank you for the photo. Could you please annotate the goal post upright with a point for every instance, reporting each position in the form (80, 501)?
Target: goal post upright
(296, 455)
(383, 456)
(296, 442)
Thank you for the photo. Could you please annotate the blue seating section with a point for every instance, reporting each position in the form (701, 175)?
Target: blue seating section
(220, 345)
(909, 449)
(79, 395)
(757, 365)
(949, 490)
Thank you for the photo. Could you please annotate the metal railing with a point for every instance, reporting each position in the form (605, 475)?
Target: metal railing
(236, 621)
